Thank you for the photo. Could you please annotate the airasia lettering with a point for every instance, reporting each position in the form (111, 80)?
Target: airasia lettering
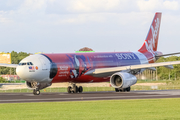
(63, 67)
(151, 43)
(125, 56)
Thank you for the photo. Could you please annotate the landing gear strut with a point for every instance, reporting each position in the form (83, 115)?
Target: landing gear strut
(123, 89)
(74, 89)
(36, 91)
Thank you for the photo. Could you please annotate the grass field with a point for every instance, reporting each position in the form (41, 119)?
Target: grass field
(92, 89)
(168, 86)
(145, 109)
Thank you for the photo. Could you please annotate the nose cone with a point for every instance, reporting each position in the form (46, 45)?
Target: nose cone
(38, 70)
(21, 72)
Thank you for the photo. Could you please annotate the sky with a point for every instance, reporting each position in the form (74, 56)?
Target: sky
(65, 26)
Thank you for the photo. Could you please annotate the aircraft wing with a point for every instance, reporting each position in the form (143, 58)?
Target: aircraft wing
(99, 72)
(8, 65)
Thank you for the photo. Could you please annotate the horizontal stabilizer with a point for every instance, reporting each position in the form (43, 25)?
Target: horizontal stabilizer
(167, 54)
(169, 66)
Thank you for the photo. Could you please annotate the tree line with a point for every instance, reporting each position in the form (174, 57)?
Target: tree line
(15, 59)
(165, 73)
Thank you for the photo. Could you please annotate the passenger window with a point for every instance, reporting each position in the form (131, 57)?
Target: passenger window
(28, 63)
(31, 63)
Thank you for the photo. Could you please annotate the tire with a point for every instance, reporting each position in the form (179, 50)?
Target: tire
(34, 92)
(76, 89)
(128, 89)
(37, 92)
(117, 89)
(122, 90)
(80, 89)
(69, 89)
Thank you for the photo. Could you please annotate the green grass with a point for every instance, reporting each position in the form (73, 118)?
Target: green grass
(157, 81)
(145, 109)
(93, 89)
(60, 89)
(96, 89)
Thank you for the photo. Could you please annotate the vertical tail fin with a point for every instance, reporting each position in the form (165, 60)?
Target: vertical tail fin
(151, 42)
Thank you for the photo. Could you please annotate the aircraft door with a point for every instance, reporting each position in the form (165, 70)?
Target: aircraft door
(43, 62)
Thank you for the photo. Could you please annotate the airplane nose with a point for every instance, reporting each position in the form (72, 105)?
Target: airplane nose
(20, 71)
(38, 70)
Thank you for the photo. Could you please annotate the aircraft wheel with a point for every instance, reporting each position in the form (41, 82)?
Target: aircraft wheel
(122, 90)
(117, 90)
(69, 89)
(76, 89)
(80, 89)
(36, 92)
(128, 89)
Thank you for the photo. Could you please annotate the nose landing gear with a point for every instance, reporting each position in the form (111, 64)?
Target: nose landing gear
(74, 89)
(36, 91)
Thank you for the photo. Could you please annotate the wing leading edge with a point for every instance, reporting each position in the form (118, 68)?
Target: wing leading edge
(108, 71)
(8, 65)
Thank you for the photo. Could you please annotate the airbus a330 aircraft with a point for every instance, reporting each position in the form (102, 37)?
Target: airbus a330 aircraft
(120, 68)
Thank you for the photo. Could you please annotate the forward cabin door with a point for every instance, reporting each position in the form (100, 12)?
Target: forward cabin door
(43, 62)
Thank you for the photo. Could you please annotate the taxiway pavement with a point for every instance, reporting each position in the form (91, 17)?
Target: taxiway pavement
(52, 97)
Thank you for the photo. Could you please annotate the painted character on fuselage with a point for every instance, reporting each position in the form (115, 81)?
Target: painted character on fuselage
(79, 65)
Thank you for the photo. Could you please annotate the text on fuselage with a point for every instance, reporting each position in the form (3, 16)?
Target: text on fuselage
(125, 56)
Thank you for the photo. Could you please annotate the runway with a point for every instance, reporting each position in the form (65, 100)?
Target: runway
(52, 97)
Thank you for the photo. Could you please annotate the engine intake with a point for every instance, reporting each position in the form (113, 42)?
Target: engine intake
(34, 85)
(122, 80)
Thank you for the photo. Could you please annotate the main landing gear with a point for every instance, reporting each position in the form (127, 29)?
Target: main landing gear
(123, 89)
(36, 91)
(74, 89)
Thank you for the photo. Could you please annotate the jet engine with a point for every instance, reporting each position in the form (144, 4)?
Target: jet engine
(35, 85)
(122, 80)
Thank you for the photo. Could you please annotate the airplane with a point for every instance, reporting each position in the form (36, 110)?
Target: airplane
(119, 68)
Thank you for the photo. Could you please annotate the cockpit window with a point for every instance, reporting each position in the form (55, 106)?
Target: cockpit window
(23, 63)
(28, 63)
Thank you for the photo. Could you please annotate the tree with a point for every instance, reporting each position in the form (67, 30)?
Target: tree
(15, 59)
(2, 80)
(86, 49)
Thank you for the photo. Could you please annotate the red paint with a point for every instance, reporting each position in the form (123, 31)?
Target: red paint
(72, 67)
(150, 45)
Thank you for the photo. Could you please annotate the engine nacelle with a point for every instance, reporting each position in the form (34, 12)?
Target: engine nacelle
(34, 85)
(122, 80)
